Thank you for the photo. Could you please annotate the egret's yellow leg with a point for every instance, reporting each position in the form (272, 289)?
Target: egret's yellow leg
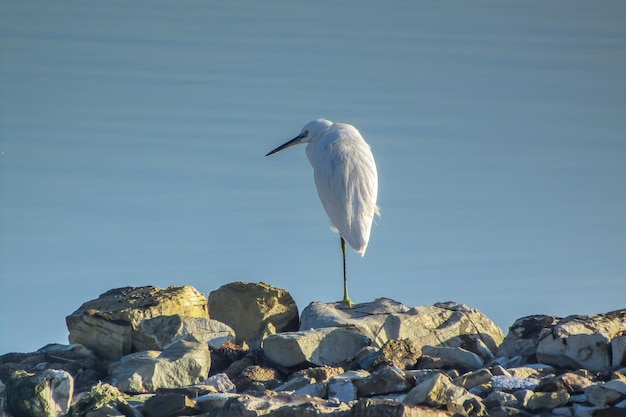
(346, 297)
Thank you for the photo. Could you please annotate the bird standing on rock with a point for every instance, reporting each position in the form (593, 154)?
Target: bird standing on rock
(346, 179)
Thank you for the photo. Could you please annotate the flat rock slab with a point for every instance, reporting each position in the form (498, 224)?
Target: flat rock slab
(443, 324)
(327, 346)
(106, 324)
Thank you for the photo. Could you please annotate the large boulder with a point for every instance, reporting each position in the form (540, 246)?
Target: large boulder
(254, 310)
(443, 324)
(589, 342)
(183, 363)
(107, 324)
(42, 394)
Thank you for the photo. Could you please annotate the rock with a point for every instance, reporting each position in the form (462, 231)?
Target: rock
(181, 363)
(600, 395)
(341, 388)
(281, 405)
(499, 399)
(106, 325)
(618, 351)
(249, 309)
(156, 333)
(513, 383)
(77, 360)
(42, 394)
(453, 357)
(368, 407)
(472, 379)
(524, 335)
(401, 353)
(535, 370)
(303, 385)
(545, 400)
(326, 346)
(439, 390)
(168, 405)
(569, 381)
(221, 383)
(213, 402)
(443, 324)
(255, 375)
(384, 380)
(103, 397)
(431, 392)
(588, 351)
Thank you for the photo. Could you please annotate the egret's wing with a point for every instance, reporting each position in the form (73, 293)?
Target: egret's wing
(347, 183)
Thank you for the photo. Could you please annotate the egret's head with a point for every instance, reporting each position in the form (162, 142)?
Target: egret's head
(311, 131)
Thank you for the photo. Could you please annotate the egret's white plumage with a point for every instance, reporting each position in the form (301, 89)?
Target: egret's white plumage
(346, 179)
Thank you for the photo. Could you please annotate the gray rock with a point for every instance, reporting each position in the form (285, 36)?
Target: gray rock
(213, 402)
(501, 399)
(156, 333)
(431, 392)
(253, 310)
(106, 325)
(368, 407)
(326, 346)
(524, 335)
(281, 405)
(618, 350)
(221, 383)
(182, 363)
(341, 388)
(443, 324)
(46, 393)
(588, 351)
(600, 395)
(256, 377)
(569, 381)
(168, 405)
(454, 357)
(384, 380)
(472, 379)
(103, 400)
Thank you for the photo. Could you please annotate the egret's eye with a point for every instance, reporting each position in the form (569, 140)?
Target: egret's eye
(305, 133)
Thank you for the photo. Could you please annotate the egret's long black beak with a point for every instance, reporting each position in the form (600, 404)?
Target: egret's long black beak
(292, 142)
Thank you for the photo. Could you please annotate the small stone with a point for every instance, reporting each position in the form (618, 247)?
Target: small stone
(456, 358)
(384, 380)
(599, 395)
(221, 383)
(401, 353)
(501, 399)
(168, 405)
(342, 388)
(616, 385)
(569, 381)
(210, 402)
(472, 379)
(546, 400)
(253, 375)
(431, 392)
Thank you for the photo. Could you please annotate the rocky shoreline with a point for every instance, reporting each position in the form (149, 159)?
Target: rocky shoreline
(246, 351)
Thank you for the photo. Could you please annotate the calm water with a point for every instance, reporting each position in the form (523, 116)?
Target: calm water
(132, 138)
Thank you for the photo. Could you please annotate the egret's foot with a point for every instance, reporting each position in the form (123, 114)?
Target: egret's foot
(346, 300)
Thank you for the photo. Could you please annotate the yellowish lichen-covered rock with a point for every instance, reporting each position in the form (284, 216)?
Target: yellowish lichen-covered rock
(107, 324)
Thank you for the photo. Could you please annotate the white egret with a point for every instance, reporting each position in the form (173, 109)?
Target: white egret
(346, 179)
